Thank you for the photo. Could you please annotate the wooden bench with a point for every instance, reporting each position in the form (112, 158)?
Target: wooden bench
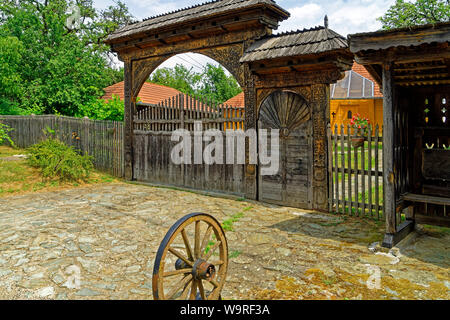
(422, 198)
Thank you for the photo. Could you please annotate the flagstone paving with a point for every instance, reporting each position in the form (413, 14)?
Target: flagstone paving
(99, 242)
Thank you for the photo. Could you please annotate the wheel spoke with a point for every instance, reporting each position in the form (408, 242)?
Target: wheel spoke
(214, 282)
(176, 272)
(193, 294)
(206, 239)
(179, 255)
(181, 284)
(217, 263)
(201, 289)
(197, 240)
(211, 251)
(187, 244)
(185, 292)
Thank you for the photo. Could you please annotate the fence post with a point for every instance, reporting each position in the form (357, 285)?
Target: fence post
(330, 169)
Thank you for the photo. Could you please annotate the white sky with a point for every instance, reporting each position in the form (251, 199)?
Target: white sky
(344, 16)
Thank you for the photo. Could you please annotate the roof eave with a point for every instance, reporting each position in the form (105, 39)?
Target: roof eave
(282, 13)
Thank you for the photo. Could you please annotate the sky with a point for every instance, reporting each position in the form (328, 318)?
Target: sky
(344, 17)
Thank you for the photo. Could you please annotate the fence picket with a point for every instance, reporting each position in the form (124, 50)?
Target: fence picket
(354, 177)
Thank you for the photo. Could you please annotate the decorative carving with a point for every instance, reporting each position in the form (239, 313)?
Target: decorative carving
(227, 48)
(294, 78)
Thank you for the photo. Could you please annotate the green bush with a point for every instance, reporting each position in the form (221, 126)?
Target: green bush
(55, 159)
(4, 130)
(99, 109)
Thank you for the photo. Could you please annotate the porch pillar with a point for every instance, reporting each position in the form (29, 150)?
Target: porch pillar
(128, 121)
(388, 155)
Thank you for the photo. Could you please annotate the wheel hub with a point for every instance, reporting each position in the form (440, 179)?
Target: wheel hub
(203, 270)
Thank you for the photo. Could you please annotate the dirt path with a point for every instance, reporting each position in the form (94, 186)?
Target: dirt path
(109, 234)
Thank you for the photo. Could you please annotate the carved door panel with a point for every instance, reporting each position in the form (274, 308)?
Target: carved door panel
(290, 113)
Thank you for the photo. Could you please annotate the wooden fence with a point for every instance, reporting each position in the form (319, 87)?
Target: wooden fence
(181, 111)
(103, 140)
(355, 172)
(153, 126)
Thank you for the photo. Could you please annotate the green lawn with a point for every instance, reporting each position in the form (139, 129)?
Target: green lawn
(17, 177)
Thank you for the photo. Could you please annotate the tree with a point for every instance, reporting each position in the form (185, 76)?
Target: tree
(63, 66)
(216, 85)
(212, 83)
(405, 14)
(11, 83)
(179, 77)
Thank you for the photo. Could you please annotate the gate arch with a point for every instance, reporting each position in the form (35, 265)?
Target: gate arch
(290, 113)
(238, 35)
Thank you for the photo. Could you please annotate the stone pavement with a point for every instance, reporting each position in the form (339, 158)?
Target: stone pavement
(99, 242)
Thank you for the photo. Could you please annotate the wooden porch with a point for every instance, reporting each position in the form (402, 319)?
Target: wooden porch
(413, 66)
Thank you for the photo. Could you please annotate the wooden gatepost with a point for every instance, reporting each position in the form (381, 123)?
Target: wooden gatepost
(413, 66)
(285, 79)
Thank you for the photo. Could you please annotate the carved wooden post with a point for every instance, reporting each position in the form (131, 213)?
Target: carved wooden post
(128, 120)
(320, 116)
(250, 174)
(388, 155)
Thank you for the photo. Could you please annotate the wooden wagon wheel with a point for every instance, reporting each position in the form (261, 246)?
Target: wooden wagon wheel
(192, 260)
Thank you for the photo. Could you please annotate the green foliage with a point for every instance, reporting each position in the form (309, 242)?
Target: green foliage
(47, 66)
(55, 159)
(99, 109)
(216, 85)
(179, 78)
(405, 13)
(4, 134)
(212, 83)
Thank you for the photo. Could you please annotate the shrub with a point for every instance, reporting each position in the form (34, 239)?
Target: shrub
(55, 159)
(4, 130)
(99, 109)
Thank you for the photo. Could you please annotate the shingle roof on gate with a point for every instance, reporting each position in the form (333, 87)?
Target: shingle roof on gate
(295, 43)
(191, 13)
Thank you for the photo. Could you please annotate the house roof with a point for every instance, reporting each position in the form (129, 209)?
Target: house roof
(301, 42)
(237, 101)
(419, 54)
(150, 92)
(400, 37)
(360, 69)
(186, 15)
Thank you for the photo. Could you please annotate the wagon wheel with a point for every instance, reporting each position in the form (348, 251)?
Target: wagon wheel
(192, 260)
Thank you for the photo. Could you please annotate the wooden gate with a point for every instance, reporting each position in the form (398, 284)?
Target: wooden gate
(154, 125)
(290, 113)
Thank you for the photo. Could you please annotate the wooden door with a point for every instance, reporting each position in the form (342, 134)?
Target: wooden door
(291, 186)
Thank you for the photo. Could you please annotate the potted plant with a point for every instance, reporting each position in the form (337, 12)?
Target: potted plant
(361, 126)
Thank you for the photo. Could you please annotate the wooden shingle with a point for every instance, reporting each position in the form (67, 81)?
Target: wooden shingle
(296, 43)
(186, 15)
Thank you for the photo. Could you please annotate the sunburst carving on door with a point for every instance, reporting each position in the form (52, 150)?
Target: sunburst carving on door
(284, 110)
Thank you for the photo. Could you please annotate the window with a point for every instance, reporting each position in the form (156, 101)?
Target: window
(353, 85)
(349, 114)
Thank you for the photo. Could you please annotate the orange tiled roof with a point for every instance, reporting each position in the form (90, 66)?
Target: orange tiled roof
(237, 101)
(150, 92)
(363, 71)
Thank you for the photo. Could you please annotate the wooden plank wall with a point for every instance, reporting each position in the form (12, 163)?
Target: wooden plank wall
(103, 140)
(153, 127)
(355, 173)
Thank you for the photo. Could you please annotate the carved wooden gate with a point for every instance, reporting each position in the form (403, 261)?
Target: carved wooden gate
(290, 113)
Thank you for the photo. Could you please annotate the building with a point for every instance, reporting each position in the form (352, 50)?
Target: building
(150, 92)
(356, 93)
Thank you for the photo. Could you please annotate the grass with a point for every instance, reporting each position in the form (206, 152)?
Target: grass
(227, 225)
(17, 177)
(359, 153)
